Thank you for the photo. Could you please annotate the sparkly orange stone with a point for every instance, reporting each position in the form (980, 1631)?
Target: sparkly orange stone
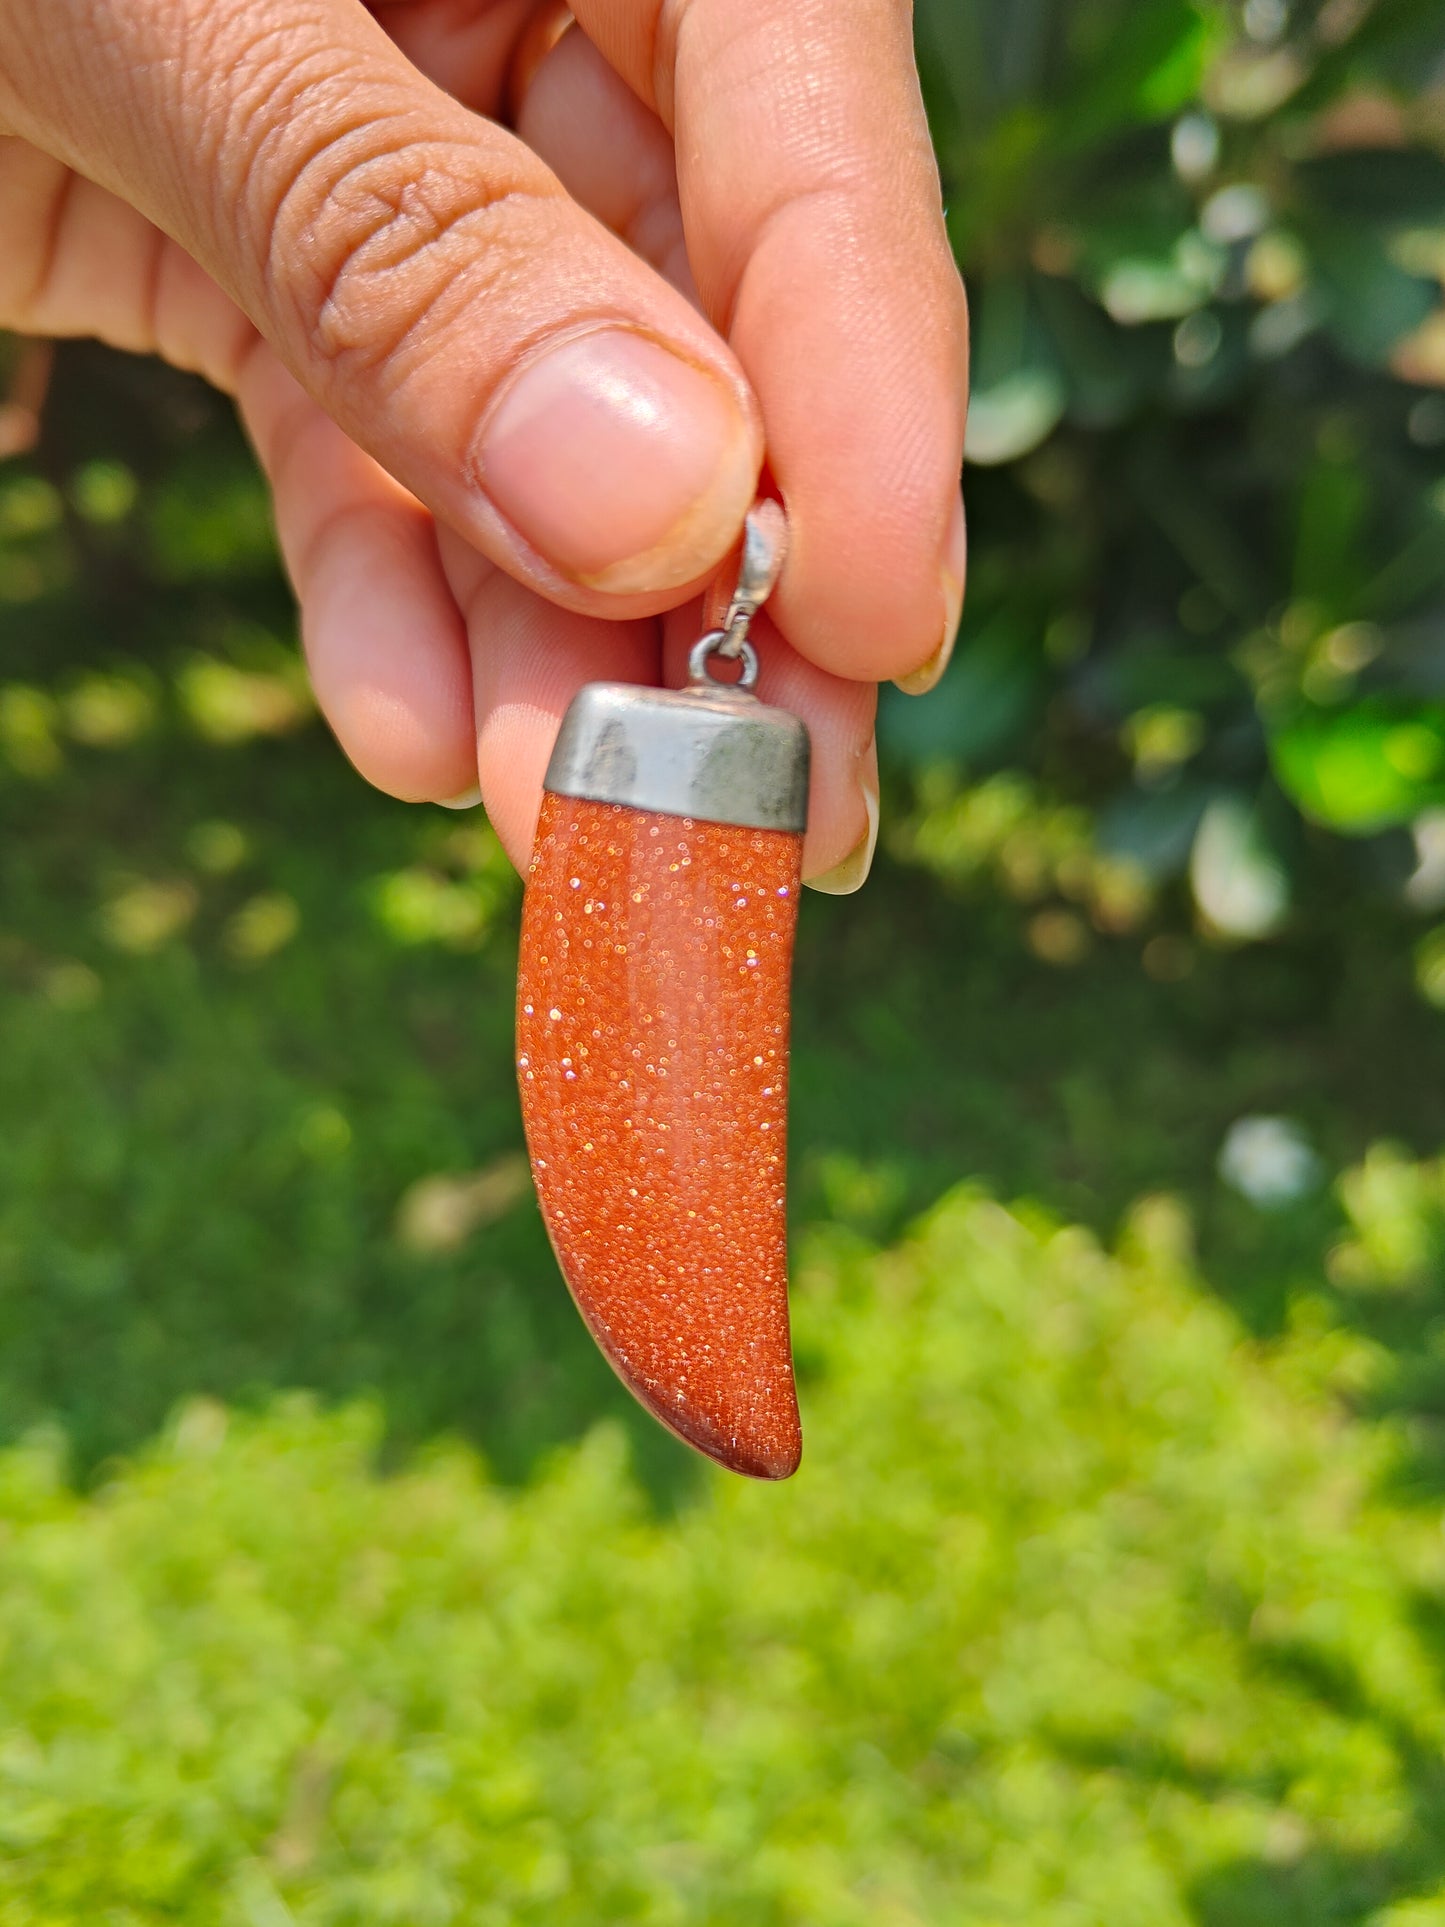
(652, 1057)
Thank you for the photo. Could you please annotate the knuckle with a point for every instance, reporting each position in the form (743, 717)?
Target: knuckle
(373, 232)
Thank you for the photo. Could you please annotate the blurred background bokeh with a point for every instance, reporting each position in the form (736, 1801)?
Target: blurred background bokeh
(339, 1583)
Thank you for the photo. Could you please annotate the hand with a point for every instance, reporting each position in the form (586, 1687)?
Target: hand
(511, 390)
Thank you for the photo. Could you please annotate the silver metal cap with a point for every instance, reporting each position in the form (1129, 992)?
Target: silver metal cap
(711, 751)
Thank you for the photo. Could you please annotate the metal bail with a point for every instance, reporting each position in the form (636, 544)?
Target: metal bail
(765, 550)
(710, 751)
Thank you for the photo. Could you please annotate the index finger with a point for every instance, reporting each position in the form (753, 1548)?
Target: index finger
(815, 232)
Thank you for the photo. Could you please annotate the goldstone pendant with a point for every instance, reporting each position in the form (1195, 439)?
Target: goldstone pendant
(652, 1032)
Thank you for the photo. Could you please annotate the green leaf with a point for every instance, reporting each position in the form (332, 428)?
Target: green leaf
(1014, 415)
(1108, 372)
(1149, 669)
(1395, 42)
(986, 699)
(1371, 302)
(1399, 186)
(1365, 767)
(1150, 65)
(1155, 831)
(1330, 568)
(1239, 879)
(1141, 254)
(1018, 394)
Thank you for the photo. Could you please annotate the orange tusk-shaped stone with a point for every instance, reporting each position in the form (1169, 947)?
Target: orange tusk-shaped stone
(652, 1040)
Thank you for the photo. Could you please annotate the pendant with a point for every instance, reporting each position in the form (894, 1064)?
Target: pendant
(652, 1032)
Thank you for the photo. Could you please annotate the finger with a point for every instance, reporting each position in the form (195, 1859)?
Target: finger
(529, 659)
(612, 154)
(383, 639)
(465, 46)
(75, 260)
(814, 225)
(843, 767)
(384, 642)
(422, 274)
(615, 157)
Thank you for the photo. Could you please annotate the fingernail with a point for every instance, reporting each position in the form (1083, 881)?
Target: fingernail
(627, 467)
(929, 674)
(852, 873)
(464, 800)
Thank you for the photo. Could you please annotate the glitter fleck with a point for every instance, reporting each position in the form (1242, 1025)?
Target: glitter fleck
(665, 1209)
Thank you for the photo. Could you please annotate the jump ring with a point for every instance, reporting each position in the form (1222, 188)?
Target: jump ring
(699, 676)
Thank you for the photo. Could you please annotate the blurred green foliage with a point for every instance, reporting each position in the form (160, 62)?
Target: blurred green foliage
(1112, 1589)
(1206, 249)
(1084, 1611)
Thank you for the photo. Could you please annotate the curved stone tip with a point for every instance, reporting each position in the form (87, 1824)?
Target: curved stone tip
(652, 1054)
(766, 1442)
(776, 1463)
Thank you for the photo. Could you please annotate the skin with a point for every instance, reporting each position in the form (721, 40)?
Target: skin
(313, 204)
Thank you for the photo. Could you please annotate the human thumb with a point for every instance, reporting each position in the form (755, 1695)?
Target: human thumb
(423, 275)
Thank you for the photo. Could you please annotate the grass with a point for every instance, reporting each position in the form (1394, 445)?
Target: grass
(1111, 1590)
(1082, 1610)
